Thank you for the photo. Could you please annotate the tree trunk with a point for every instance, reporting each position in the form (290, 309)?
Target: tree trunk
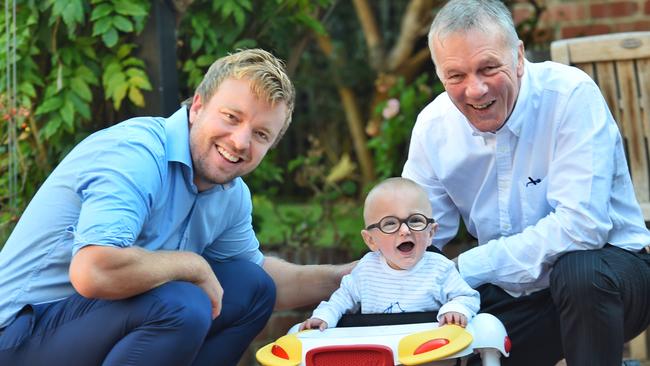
(353, 115)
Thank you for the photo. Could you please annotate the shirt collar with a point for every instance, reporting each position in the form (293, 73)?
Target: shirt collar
(178, 138)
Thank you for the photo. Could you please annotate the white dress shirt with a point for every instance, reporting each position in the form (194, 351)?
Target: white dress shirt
(432, 284)
(553, 179)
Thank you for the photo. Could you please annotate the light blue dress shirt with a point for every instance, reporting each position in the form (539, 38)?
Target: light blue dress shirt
(553, 179)
(130, 184)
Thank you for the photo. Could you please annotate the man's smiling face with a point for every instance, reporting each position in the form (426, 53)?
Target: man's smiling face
(231, 132)
(480, 74)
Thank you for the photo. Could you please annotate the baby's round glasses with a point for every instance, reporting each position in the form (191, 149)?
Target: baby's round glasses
(391, 224)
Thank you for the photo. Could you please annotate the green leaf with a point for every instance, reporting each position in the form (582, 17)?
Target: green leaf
(227, 8)
(132, 61)
(80, 106)
(67, 114)
(110, 37)
(119, 94)
(132, 72)
(101, 11)
(124, 50)
(27, 89)
(246, 4)
(80, 88)
(204, 60)
(240, 16)
(122, 23)
(110, 70)
(135, 96)
(73, 13)
(101, 26)
(128, 7)
(311, 22)
(245, 43)
(189, 65)
(87, 75)
(49, 105)
(114, 82)
(196, 43)
(140, 82)
(51, 127)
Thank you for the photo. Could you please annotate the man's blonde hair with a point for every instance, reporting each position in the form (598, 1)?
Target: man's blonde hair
(267, 74)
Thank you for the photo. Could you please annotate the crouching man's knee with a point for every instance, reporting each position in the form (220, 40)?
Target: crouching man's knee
(182, 308)
(579, 278)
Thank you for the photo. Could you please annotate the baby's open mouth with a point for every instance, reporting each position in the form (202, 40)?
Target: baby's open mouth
(406, 246)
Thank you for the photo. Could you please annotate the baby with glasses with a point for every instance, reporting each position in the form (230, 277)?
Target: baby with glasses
(399, 275)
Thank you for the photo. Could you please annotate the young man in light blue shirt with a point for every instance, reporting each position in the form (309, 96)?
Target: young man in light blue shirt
(139, 250)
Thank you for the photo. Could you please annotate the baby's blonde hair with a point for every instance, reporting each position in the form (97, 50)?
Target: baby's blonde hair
(391, 184)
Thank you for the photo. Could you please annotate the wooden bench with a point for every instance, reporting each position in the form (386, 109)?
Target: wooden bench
(620, 65)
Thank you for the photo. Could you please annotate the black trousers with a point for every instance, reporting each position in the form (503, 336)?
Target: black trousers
(597, 300)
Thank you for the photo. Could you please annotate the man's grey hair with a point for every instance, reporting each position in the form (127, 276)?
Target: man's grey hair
(460, 16)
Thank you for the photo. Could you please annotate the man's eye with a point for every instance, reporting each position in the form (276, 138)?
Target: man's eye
(454, 78)
(263, 136)
(490, 69)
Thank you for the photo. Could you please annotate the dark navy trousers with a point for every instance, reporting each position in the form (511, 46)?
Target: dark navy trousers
(168, 325)
(597, 300)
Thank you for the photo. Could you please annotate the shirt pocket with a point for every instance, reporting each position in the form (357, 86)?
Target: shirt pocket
(535, 205)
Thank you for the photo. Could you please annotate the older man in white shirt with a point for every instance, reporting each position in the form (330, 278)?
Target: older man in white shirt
(532, 160)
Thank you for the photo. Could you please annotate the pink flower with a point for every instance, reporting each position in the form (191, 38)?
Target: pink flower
(391, 109)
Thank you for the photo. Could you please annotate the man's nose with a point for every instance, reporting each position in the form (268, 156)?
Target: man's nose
(241, 137)
(476, 87)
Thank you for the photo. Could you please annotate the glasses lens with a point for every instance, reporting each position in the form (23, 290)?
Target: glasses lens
(417, 222)
(389, 224)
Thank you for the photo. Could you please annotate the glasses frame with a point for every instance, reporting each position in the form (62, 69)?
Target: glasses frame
(377, 225)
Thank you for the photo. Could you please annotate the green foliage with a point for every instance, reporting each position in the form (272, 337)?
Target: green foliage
(390, 146)
(301, 224)
(212, 29)
(70, 57)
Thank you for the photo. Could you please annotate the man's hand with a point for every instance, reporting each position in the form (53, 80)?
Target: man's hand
(346, 269)
(210, 284)
(104, 272)
(303, 285)
(312, 323)
(453, 317)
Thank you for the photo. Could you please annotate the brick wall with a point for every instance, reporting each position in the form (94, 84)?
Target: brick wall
(575, 18)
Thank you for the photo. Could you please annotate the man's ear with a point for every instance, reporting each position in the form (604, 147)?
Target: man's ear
(521, 55)
(367, 238)
(197, 104)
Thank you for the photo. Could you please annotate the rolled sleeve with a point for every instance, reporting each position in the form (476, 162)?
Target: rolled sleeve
(116, 192)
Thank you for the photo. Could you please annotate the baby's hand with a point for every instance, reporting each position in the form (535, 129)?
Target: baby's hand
(312, 323)
(453, 317)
